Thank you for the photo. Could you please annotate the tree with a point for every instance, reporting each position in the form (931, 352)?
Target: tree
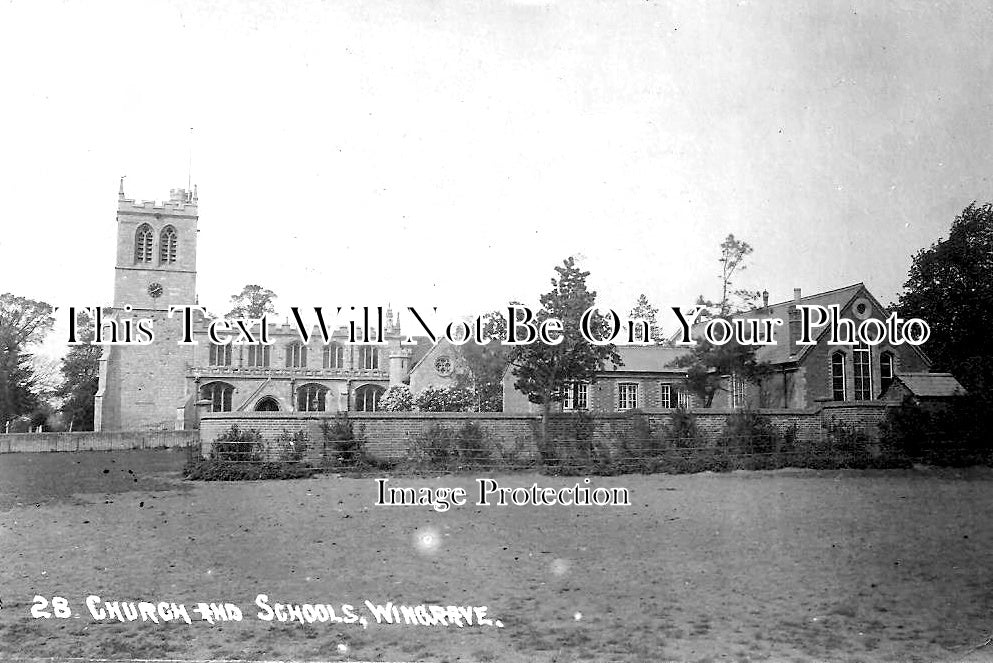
(543, 371)
(643, 310)
(487, 364)
(732, 261)
(23, 322)
(81, 377)
(253, 301)
(950, 286)
(709, 366)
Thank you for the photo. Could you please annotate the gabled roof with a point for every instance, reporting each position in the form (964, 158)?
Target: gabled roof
(930, 385)
(780, 352)
(647, 359)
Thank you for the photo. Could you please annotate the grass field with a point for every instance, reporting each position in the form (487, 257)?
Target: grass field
(787, 565)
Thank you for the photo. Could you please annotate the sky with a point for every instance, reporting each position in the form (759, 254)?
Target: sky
(450, 154)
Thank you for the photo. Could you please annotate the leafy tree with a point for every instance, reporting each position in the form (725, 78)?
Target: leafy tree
(644, 310)
(487, 364)
(708, 366)
(950, 286)
(23, 322)
(733, 300)
(253, 301)
(81, 377)
(542, 371)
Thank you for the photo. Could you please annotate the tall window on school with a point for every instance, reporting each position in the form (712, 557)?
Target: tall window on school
(862, 367)
(838, 376)
(369, 357)
(575, 397)
(684, 400)
(737, 391)
(885, 371)
(665, 395)
(296, 355)
(334, 356)
(258, 356)
(627, 396)
(220, 355)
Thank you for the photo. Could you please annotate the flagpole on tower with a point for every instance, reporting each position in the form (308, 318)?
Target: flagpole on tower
(189, 166)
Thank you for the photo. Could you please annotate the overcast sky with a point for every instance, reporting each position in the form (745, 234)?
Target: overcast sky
(452, 153)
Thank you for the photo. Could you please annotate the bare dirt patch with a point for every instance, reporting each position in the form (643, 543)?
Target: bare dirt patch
(801, 566)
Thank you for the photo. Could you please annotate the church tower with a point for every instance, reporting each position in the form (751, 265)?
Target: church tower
(143, 386)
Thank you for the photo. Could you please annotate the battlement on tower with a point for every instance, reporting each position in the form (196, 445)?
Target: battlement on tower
(181, 202)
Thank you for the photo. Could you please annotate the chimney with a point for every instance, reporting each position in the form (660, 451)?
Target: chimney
(765, 299)
(794, 324)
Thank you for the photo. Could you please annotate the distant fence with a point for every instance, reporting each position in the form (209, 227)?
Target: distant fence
(102, 441)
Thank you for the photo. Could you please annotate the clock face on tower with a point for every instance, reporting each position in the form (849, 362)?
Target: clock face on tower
(155, 290)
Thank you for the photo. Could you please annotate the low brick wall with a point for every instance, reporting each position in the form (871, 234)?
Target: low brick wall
(103, 441)
(389, 434)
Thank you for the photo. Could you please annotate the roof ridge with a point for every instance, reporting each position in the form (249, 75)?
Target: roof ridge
(816, 294)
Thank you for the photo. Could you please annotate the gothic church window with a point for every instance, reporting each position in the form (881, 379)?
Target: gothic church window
(219, 394)
(334, 356)
(367, 398)
(143, 244)
(220, 355)
(368, 357)
(311, 398)
(168, 240)
(296, 356)
(258, 356)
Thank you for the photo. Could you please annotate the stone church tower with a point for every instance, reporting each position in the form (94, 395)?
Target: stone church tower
(143, 386)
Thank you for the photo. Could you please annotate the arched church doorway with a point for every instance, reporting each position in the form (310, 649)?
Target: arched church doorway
(267, 404)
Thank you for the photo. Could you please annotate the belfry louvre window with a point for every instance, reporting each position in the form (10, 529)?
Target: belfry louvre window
(368, 357)
(296, 356)
(143, 243)
(334, 356)
(862, 366)
(220, 355)
(168, 240)
(258, 356)
(838, 376)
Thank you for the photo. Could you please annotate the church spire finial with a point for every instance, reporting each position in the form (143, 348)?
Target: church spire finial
(120, 191)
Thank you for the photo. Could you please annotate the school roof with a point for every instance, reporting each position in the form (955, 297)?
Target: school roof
(931, 385)
(647, 359)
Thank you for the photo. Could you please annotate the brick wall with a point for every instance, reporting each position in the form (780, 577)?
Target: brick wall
(388, 434)
(105, 441)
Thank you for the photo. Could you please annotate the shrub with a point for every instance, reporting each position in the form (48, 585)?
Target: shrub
(293, 446)
(340, 443)
(444, 399)
(442, 448)
(397, 398)
(213, 469)
(236, 444)
(748, 432)
(682, 429)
